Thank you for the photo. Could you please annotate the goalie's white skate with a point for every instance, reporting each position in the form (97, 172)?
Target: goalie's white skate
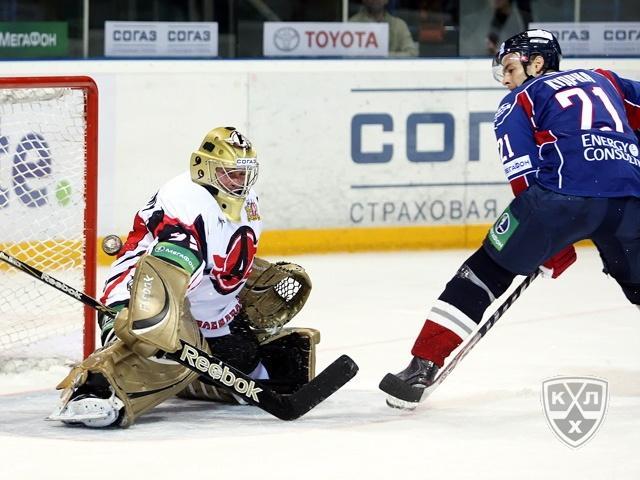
(89, 410)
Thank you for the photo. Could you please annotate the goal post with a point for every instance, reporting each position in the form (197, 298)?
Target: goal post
(48, 212)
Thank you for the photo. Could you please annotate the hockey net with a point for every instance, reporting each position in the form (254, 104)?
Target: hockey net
(48, 170)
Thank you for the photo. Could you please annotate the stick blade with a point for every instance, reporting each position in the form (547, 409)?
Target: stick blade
(325, 384)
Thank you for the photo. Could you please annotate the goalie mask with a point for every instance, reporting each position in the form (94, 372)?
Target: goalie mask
(525, 46)
(228, 165)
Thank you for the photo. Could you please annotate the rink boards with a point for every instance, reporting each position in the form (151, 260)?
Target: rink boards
(355, 155)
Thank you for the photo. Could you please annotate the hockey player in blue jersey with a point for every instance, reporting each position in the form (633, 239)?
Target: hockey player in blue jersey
(567, 143)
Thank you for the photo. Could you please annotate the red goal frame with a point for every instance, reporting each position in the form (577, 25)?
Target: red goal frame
(90, 88)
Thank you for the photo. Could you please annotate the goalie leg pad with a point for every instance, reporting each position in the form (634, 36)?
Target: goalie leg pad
(140, 383)
(152, 320)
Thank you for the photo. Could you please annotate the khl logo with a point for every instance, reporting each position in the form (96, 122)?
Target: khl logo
(575, 407)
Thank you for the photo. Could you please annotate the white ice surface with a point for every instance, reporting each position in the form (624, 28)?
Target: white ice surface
(484, 422)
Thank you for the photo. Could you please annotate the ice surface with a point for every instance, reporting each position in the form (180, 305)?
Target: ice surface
(485, 421)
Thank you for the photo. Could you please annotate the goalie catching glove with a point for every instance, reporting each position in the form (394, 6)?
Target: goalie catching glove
(274, 293)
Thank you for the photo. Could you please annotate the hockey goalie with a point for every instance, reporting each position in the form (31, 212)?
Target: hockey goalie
(188, 272)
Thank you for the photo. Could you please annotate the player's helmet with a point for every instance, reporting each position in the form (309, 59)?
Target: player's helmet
(228, 165)
(529, 44)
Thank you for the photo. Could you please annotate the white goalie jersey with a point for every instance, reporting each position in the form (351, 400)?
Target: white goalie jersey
(184, 224)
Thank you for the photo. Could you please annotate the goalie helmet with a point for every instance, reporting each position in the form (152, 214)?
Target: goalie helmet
(528, 45)
(227, 164)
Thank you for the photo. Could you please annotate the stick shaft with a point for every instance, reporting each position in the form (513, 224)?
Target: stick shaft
(57, 284)
(482, 331)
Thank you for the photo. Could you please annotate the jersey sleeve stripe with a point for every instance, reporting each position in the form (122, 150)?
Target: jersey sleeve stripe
(631, 109)
(135, 236)
(525, 102)
(115, 283)
(607, 74)
(633, 114)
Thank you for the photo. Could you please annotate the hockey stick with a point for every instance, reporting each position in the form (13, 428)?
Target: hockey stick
(397, 388)
(221, 374)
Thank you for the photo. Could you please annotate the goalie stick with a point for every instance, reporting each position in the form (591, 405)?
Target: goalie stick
(410, 394)
(221, 374)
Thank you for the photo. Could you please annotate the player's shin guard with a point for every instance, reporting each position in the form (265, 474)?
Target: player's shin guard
(460, 307)
(454, 316)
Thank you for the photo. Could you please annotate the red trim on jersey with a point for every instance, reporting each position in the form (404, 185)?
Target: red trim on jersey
(612, 79)
(633, 115)
(544, 136)
(519, 185)
(135, 236)
(115, 283)
(632, 111)
(167, 220)
(524, 101)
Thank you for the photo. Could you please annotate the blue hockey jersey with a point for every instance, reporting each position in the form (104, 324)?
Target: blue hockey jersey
(572, 132)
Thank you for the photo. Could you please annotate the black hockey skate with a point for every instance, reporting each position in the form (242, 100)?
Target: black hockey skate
(406, 389)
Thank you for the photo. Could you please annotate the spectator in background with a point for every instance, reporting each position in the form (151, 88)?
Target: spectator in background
(401, 43)
(501, 12)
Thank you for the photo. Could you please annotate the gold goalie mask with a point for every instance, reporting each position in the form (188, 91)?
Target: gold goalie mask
(226, 162)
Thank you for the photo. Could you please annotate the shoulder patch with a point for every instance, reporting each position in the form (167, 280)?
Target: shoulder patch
(251, 208)
(505, 106)
(502, 109)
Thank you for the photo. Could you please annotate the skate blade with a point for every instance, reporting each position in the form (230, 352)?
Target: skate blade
(394, 402)
(67, 414)
(74, 418)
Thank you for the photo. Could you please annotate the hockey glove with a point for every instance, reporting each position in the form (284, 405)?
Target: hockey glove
(274, 293)
(557, 264)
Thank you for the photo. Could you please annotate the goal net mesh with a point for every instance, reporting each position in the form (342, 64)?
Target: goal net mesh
(42, 220)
